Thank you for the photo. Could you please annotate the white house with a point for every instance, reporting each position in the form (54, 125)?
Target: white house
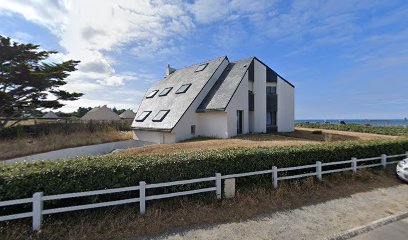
(216, 98)
(101, 113)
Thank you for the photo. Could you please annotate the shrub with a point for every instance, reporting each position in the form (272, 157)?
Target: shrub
(19, 180)
(385, 130)
(317, 132)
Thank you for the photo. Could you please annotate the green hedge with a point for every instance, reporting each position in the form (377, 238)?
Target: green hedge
(20, 180)
(385, 130)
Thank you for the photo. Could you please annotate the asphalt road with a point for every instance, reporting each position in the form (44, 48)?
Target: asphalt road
(395, 231)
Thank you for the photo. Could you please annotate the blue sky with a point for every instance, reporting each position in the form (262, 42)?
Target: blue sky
(347, 59)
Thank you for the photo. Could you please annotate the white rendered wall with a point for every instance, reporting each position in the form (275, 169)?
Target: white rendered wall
(154, 137)
(286, 106)
(259, 97)
(251, 119)
(239, 101)
(212, 124)
(190, 117)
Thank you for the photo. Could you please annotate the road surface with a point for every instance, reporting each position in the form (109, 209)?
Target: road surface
(319, 221)
(395, 231)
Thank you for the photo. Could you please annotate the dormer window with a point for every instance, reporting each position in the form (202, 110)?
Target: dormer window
(160, 115)
(143, 116)
(152, 94)
(201, 67)
(183, 88)
(165, 91)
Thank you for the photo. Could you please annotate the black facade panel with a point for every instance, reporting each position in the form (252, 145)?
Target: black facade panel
(271, 75)
(271, 102)
(251, 101)
(251, 72)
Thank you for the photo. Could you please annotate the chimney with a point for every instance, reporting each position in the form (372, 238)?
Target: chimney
(169, 70)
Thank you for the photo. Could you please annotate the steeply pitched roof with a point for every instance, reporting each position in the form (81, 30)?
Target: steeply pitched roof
(50, 115)
(101, 113)
(223, 90)
(128, 114)
(176, 103)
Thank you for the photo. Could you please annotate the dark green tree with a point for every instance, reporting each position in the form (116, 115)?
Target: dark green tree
(28, 82)
(82, 111)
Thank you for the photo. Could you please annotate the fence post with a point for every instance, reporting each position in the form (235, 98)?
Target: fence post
(142, 197)
(319, 170)
(37, 210)
(354, 164)
(218, 185)
(275, 176)
(384, 160)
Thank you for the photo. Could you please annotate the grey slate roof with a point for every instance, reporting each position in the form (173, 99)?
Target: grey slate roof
(223, 90)
(217, 98)
(176, 103)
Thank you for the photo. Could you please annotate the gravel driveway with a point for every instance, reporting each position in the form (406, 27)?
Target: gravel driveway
(319, 221)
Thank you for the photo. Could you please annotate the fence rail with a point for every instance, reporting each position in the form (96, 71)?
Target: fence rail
(38, 199)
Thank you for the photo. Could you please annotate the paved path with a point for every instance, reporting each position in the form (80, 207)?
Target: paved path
(393, 231)
(90, 150)
(320, 221)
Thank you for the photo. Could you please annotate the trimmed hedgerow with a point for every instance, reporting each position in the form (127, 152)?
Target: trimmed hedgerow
(384, 130)
(20, 180)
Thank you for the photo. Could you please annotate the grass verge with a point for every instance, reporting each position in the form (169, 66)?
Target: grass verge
(164, 216)
(29, 145)
(385, 130)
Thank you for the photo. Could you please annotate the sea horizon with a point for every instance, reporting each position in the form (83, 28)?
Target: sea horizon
(373, 122)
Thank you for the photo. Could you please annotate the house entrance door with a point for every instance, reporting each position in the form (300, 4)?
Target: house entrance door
(239, 121)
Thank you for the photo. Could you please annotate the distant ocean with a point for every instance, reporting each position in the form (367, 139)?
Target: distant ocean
(372, 122)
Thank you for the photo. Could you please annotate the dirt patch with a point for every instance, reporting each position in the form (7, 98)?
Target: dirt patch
(300, 136)
(125, 222)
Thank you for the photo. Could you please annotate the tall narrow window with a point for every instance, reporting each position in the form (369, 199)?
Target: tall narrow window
(183, 88)
(270, 90)
(160, 115)
(152, 94)
(201, 67)
(193, 129)
(271, 118)
(143, 116)
(165, 91)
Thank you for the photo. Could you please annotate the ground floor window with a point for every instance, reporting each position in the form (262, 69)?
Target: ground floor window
(271, 118)
(193, 129)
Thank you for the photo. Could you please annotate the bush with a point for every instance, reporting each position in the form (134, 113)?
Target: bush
(385, 130)
(317, 132)
(19, 180)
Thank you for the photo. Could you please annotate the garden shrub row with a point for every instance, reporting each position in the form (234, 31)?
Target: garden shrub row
(385, 130)
(19, 180)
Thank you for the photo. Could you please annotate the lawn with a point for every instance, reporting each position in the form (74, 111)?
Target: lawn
(301, 136)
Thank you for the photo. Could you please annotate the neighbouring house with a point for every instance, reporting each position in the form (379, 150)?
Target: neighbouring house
(128, 114)
(217, 98)
(50, 115)
(101, 113)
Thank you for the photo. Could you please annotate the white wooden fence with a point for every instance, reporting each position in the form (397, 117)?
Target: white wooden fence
(38, 198)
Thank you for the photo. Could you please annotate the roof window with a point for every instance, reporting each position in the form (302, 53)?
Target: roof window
(165, 91)
(183, 88)
(143, 116)
(201, 67)
(160, 115)
(152, 94)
